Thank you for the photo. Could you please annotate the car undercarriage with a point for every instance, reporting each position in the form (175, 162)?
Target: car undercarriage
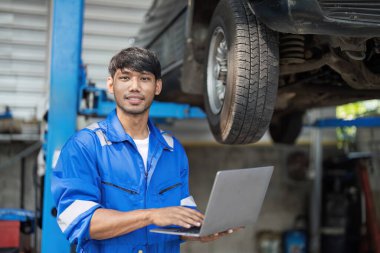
(244, 61)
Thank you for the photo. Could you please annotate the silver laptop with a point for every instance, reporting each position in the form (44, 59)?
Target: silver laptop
(235, 201)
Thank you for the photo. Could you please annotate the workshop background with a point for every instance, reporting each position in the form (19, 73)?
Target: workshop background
(289, 220)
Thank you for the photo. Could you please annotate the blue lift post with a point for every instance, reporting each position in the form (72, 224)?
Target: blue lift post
(64, 85)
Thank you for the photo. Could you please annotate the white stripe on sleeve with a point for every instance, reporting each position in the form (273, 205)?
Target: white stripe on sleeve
(77, 208)
(189, 201)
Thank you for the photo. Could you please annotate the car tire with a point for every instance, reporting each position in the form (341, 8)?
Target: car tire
(285, 129)
(241, 74)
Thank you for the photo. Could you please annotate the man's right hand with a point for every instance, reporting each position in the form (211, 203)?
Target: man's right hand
(176, 215)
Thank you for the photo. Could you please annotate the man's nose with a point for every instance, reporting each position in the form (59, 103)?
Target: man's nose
(135, 84)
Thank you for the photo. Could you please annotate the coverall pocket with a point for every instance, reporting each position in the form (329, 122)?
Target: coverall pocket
(170, 193)
(120, 197)
(120, 187)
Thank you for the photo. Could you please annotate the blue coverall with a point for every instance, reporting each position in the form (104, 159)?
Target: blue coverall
(100, 167)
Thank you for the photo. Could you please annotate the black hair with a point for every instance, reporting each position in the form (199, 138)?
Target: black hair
(136, 59)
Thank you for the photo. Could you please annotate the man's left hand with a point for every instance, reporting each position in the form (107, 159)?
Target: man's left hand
(210, 238)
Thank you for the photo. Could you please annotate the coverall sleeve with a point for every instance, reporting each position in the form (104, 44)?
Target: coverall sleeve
(75, 189)
(186, 199)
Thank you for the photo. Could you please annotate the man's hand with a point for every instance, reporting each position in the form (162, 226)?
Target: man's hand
(177, 215)
(210, 238)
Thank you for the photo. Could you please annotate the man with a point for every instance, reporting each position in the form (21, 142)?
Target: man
(118, 178)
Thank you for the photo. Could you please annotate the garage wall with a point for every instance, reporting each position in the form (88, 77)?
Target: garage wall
(23, 55)
(108, 27)
(10, 177)
(25, 46)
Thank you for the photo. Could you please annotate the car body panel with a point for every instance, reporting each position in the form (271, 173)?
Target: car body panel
(338, 17)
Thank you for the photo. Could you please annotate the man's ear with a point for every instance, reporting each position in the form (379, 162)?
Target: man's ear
(158, 87)
(110, 84)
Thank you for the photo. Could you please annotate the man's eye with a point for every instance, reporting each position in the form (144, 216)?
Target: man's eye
(124, 78)
(145, 78)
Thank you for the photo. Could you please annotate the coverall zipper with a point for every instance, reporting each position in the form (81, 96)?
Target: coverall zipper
(146, 185)
(146, 190)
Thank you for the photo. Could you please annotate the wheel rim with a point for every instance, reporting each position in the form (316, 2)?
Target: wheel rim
(217, 70)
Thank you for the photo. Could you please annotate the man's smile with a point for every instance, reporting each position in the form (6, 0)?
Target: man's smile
(134, 99)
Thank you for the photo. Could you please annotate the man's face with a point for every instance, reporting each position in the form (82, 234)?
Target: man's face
(133, 91)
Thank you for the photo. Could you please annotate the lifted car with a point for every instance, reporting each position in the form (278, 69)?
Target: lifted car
(254, 64)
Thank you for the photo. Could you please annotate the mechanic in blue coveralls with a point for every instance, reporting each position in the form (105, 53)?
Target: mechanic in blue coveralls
(118, 178)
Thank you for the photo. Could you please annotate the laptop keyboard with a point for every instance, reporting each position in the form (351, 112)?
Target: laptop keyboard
(192, 230)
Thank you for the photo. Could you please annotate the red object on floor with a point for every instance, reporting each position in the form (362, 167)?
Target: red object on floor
(372, 222)
(9, 234)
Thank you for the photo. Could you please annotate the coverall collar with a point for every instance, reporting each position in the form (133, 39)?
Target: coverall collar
(116, 133)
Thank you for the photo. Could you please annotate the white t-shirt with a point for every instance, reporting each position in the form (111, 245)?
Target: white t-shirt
(143, 148)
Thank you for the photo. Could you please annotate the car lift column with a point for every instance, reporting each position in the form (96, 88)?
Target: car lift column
(316, 193)
(66, 51)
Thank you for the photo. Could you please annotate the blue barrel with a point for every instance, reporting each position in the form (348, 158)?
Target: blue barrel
(294, 241)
